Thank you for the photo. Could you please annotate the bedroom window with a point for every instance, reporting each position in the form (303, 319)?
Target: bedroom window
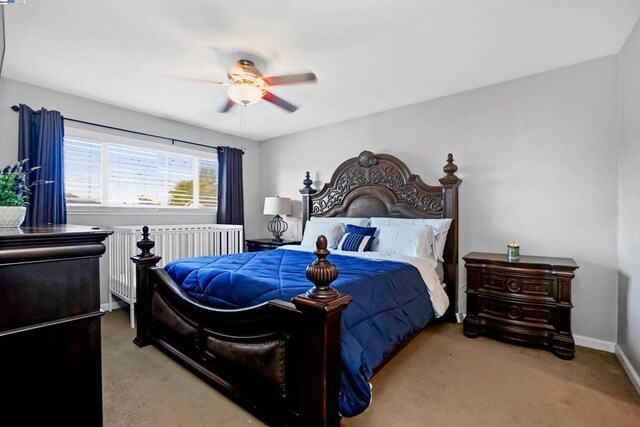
(134, 175)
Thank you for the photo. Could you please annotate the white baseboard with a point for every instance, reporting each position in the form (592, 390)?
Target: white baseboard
(116, 305)
(595, 344)
(631, 372)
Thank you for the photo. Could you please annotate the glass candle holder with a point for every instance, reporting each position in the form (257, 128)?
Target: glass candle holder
(513, 251)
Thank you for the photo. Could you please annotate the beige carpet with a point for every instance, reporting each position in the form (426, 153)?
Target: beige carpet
(440, 379)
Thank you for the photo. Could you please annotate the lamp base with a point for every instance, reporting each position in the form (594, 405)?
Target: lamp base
(277, 226)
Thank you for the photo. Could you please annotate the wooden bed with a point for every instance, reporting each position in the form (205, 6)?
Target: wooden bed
(281, 360)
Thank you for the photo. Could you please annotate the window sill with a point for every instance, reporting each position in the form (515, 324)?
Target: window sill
(138, 210)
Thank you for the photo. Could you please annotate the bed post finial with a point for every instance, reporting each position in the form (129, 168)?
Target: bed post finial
(322, 272)
(307, 184)
(145, 245)
(450, 169)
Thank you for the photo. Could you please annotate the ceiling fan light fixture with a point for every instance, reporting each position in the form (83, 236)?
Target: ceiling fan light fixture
(244, 94)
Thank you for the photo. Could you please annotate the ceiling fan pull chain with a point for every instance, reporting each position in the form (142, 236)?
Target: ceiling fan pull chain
(243, 119)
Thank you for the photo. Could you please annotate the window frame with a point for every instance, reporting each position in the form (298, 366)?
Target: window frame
(107, 139)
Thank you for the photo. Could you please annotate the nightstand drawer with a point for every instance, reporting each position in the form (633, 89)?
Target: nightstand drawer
(257, 245)
(530, 315)
(528, 288)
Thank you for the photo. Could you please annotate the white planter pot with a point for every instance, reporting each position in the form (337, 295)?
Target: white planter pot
(12, 216)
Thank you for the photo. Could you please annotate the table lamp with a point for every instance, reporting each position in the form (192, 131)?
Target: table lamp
(277, 206)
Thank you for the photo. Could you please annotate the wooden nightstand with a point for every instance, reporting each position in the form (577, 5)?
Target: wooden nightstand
(255, 245)
(526, 301)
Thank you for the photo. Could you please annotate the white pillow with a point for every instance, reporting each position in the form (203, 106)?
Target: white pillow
(360, 222)
(441, 228)
(332, 230)
(409, 240)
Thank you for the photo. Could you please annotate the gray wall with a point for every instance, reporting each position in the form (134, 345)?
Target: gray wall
(539, 161)
(14, 92)
(629, 194)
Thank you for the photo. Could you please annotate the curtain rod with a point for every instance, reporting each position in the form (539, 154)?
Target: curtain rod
(173, 140)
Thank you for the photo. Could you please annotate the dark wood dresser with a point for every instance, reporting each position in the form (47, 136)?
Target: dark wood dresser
(50, 354)
(255, 245)
(526, 301)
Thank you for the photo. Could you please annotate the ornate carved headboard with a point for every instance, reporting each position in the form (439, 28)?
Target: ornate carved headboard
(381, 185)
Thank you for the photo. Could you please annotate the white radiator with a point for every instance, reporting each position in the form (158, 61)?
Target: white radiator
(172, 242)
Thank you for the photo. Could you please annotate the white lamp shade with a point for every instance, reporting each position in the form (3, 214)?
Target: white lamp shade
(277, 206)
(244, 94)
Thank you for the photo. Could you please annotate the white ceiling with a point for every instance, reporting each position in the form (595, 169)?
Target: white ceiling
(369, 55)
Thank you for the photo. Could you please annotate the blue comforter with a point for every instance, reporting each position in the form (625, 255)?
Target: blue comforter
(390, 302)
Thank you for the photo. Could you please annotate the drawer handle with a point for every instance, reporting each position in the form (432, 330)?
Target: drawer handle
(514, 285)
(514, 312)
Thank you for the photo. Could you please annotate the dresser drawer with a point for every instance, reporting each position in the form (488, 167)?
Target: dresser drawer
(530, 315)
(543, 289)
(38, 292)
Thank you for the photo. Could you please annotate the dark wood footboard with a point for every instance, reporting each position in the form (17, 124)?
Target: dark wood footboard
(280, 360)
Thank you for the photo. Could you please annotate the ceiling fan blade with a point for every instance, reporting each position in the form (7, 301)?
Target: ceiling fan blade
(279, 102)
(226, 106)
(289, 79)
(197, 80)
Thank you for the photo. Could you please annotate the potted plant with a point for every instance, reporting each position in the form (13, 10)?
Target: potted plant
(15, 189)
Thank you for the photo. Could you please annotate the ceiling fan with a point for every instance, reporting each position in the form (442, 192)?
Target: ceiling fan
(247, 85)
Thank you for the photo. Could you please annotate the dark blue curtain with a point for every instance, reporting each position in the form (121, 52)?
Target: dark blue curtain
(230, 189)
(40, 138)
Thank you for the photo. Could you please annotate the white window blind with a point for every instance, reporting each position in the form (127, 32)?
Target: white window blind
(82, 171)
(208, 180)
(120, 175)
